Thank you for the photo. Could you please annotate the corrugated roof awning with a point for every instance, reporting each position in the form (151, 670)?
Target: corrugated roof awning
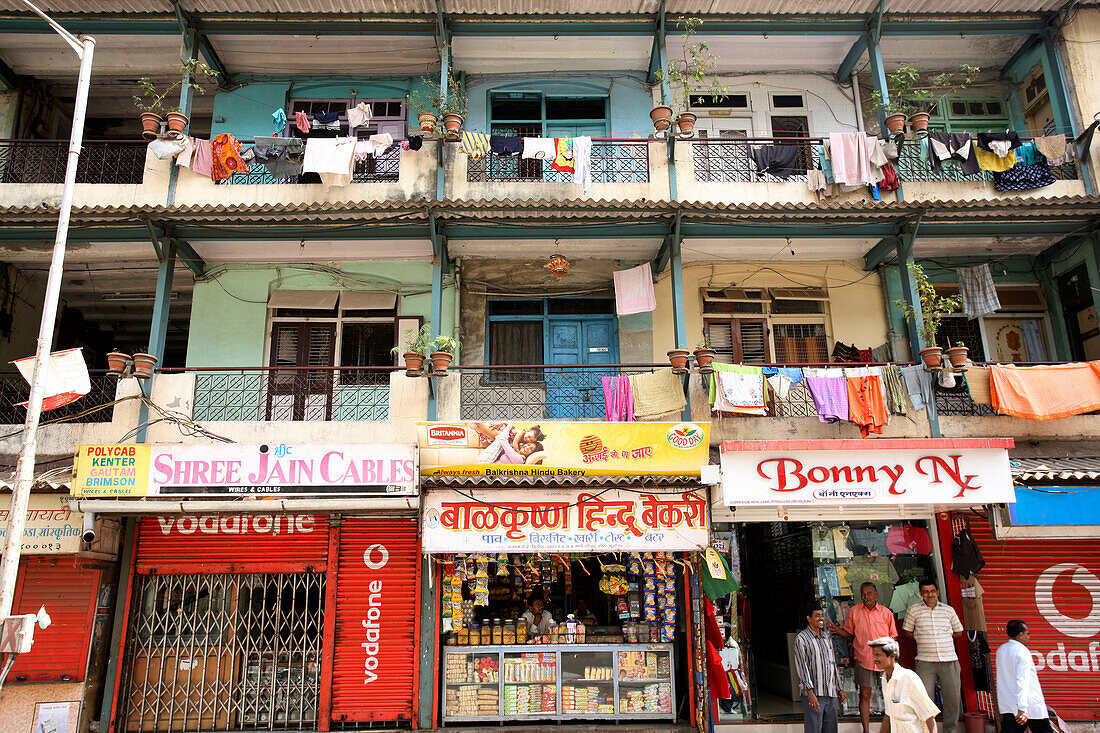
(472, 482)
(1082, 468)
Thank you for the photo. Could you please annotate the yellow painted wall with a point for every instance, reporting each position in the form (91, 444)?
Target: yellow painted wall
(1082, 54)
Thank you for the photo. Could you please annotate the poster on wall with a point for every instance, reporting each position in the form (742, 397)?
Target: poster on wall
(51, 528)
(564, 520)
(563, 448)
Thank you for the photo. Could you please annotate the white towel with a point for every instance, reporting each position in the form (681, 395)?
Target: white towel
(582, 163)
(634, 290)
(543, 148)
(332, 158)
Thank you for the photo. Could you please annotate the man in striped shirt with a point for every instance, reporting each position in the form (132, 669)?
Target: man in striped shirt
(818, 677)
(935, 626)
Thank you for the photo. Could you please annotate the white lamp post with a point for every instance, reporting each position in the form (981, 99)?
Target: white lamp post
(24, 472)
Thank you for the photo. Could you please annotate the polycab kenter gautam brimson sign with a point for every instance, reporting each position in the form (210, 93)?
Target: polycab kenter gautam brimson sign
(244, 470)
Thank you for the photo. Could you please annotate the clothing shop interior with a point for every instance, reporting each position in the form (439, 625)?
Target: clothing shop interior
(783, 566)
(528, 637)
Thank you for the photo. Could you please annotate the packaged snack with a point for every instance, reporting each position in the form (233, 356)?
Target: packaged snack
(634, 563)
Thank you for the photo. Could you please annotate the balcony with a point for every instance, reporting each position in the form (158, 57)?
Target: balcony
(90, 419)
(383, 168)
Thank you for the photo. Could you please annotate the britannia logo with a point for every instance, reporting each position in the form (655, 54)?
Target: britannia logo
(1080, 627)
(684, 436)
(446, 434)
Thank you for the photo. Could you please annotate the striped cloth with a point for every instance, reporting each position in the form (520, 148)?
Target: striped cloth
(475, 144)
(895, 392)
(979, 296)
(815, 662)
(932, 628)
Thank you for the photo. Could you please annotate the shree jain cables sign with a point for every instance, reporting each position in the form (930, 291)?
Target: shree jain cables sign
(872, 472)
(245, 470)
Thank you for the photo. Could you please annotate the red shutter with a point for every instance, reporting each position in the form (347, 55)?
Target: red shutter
(68, 591)
(232, 543)
(1038, 581)
(376, 684)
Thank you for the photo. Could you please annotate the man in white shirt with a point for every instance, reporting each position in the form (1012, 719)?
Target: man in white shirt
(935, 626)
(537, 618)
(1019, 697)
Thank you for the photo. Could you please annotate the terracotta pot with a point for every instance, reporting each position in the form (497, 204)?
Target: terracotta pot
(150, 124)
(686, 122)
(440, 361)
(703, 359)
(679, 359)
(177, 122)
(427, 121)
(143, 365)
(452, 124)
(414, 363)
(919, 122)
(116, 363)
(895, 123)
(661, 116)
(932, 356)
(957, 355)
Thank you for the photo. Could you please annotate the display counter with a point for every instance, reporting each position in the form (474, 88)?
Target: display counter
(558, 682)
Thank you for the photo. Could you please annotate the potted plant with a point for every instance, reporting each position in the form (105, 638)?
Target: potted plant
(143, 364)
(443, 351)
(416, 346)
(424, 100)
(704, 356)
(911, 99)
(116, 363)
(452, 106)
(694, 73)
(679, 359)
(151, 100)
(958, 354)
(933, 307)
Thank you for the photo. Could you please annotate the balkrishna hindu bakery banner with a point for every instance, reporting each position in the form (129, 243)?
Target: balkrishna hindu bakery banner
(564, 520)
(563, 448)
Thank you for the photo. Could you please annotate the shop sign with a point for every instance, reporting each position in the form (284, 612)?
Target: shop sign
(563, 448)
(589, 520)
(886, 472)
(246, 470)
(51, 528)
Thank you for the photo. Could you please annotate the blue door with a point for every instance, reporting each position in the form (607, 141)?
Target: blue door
(577, 394)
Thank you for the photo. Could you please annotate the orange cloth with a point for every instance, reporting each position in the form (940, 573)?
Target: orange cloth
(227, 157)
(866, 407)
(1045, 392)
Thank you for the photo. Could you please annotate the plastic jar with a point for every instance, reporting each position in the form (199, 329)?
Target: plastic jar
(498, 632)
(486, 633)
(509, 631)
(473, 637)
(521, 632)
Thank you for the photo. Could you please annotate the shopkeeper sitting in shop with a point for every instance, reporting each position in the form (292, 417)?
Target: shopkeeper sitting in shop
(583, 614)
(537, 618)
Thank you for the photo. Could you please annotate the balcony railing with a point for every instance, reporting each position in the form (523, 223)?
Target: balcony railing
(613, 161)
(729, 160)
(291, 393)
(912, 166)
(384, 168)
(43, 161)
(14, 389)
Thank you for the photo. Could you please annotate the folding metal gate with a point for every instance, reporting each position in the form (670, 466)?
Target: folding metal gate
(223, 652)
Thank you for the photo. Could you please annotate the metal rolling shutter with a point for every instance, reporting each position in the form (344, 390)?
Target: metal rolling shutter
(1038, 581)
(385, 594)
(232, 543)
(68, 591)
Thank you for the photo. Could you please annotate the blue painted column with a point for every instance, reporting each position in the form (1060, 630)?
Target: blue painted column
(1061, 104)
(1092, 262)
(158, 329)
(676, 272)
(191, 46)
(878, 73)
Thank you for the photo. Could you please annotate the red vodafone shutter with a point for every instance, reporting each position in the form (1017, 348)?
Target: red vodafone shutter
(1054, 587)
(68, 591)
(232, 543)
(376, 605)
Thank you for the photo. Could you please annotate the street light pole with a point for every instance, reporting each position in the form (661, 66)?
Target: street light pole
(24, 472)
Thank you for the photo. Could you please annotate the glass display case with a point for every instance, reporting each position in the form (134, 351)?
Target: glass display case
(558, 682)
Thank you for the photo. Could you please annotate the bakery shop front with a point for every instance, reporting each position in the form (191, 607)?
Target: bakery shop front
(563, 558)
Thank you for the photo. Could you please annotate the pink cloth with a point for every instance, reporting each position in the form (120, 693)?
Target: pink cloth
(202, 160)
(301, 121)
(634, 290)
(618, 400)
(851, 158)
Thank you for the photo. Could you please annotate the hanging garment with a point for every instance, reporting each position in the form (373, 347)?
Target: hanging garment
(977, 384)
(617, 399)
(999, 143)
(851, 158)
(1023, 177)
(201, 159)
(988, 161)
(877, 570)
(866, 406)
(227, 160)
(282, 156)
(656, 393)
(780, 385)
(1028, 154)
(717, 679)
(825, 162)
(820, 186)
(905, 538)
(327, 120)
(845, 353)
(981, 666)
(866, 356)
(741, 391)
(1045, 392)
(505, 145)
(881, 353)
(966, 558)
(918, 383)
(792, 373)
(380, 143)
(475, 144)
(278, 117)
(905, 596)
(956, 146)
(777, 160)
(971, 593)
(165, 148)
(889, 180)
(1083, 144)
(363, 150)
(830, 395)
(715, 577)
(563, 154)
(1033, 340)
(301, 121)
(634, 290)
(895, 392)
(1051, 147)
(540, 148)
(714, 396)
(331, 158)
(979, 295)
(582, 163)
(415, 142)
(359, 116)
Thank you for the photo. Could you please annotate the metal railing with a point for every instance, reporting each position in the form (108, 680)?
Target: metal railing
(613, 161)
(912, 166)
(730, 160)
(43, 161)
(384, 168)
(266, 394)
(14, 390)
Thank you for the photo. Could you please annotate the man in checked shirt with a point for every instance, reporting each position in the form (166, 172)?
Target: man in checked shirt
(818, 676)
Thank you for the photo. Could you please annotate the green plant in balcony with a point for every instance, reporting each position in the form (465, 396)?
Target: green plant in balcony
(908, 95)
(696, 71)
(933, 306)
(152, 96)
(415, 342)
(445, 344)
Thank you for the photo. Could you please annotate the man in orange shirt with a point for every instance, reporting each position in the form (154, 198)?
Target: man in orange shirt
(866, 622)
